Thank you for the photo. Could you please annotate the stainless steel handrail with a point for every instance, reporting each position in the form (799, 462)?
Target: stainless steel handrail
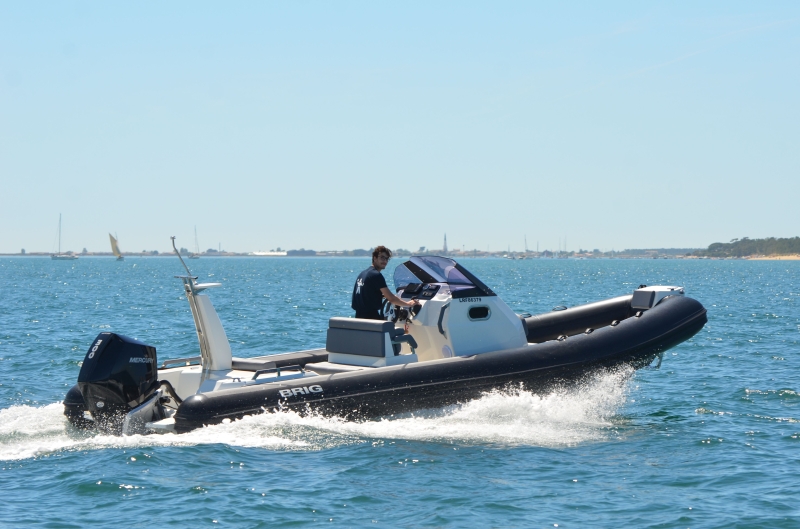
(186, 361)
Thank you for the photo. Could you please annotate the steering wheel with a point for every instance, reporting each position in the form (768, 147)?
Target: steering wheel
(388, 311)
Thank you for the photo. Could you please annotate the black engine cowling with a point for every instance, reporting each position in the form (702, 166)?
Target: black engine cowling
(118, 374)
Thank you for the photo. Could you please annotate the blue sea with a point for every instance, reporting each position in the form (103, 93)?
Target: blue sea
(710, 439)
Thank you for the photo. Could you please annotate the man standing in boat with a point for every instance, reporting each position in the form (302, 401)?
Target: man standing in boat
(370, 288)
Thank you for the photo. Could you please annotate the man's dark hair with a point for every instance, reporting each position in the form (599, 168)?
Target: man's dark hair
(379, 250)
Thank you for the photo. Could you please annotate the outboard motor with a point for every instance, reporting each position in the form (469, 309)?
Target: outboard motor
(118, 374)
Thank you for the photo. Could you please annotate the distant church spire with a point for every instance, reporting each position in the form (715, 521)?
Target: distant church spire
(444, 249)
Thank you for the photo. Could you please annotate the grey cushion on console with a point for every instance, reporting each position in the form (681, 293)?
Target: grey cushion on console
(359, 337)
(348, 341)
(358, 324)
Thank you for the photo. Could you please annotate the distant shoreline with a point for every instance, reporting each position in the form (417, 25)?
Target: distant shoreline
(794, 257)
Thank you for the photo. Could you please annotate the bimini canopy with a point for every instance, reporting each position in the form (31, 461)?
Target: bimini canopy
(433, 269)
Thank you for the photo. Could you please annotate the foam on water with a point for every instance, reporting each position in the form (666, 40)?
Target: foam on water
(27, 432)
(564, 417)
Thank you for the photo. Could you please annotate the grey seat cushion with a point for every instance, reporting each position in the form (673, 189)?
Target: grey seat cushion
(356, 342)
(358, 324)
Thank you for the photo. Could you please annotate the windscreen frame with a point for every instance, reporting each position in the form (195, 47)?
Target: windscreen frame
(422, 270)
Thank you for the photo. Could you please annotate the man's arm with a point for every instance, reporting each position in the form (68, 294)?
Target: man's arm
(394, 300)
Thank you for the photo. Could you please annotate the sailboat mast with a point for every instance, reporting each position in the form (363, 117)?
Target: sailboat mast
(59, 233)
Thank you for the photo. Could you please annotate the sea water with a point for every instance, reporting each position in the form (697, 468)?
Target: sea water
(711, 439)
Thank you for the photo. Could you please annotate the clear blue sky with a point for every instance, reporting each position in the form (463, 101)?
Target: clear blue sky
(341, 125)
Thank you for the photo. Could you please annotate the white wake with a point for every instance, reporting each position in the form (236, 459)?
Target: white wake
(565, 417)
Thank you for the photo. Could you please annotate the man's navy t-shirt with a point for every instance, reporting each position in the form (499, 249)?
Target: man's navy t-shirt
(367, 297)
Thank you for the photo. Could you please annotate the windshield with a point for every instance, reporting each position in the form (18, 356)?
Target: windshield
(443, 269)
(435, 269)
(404, 277)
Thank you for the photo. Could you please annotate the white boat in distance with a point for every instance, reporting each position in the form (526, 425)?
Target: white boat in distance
(62, 256)
(271, 253)
(196, 254)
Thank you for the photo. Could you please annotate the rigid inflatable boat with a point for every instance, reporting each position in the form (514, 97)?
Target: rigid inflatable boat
(461, 341)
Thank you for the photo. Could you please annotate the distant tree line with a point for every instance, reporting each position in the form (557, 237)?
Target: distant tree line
(745, 247)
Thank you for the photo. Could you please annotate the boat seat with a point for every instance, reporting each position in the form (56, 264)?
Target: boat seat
(361, 337)
(368, 343)
(300, 358)
(245, 364)
(328, 368)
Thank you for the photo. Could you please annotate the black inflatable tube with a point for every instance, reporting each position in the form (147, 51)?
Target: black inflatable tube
(575, 320)
(403, 388)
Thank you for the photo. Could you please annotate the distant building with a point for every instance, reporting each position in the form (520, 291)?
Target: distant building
(444, 248)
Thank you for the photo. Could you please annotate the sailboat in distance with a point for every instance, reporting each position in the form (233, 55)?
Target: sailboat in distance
(115, 248)
(196, 254)
(61, 256)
